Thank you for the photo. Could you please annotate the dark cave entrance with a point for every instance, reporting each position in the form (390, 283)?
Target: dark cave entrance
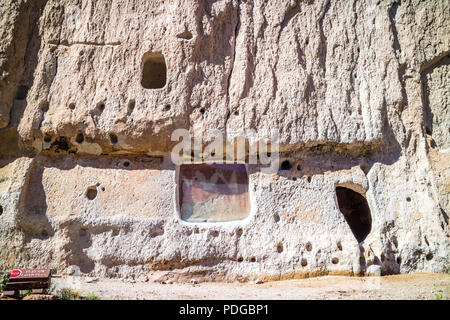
(356, 212)
(154, 71)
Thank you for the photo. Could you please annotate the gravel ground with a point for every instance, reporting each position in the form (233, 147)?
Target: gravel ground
(413, 286)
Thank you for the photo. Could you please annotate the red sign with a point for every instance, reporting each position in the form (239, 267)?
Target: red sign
(15, 273)
(29, 273)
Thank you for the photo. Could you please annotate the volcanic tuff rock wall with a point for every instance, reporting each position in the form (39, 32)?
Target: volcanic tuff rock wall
(91, 91)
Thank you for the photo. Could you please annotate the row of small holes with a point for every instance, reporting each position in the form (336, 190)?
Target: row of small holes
(131, 106)
(287, 166)
(215, 233)
(308, 245)
(203, 110)
(252, 259)
(91, 194)
(101, 105)
(80, 138)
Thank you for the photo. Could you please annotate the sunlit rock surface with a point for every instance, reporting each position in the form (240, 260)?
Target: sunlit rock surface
(91, 92)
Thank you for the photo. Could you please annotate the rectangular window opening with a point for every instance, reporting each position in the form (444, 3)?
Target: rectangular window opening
(211, 192)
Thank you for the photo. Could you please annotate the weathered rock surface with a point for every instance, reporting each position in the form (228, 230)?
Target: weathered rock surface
(358, 91)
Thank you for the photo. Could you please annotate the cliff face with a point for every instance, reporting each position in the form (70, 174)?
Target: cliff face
(91, 92)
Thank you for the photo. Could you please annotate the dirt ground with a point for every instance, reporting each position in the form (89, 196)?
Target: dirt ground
(421, 286)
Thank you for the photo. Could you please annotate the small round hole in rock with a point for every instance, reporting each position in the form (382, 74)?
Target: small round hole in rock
(309, 179)
(276, 217)
(236, 112)
(299, 168)
(167, 107)
(101, 106)
(126, 164)
(202, 110)
(335, 260)
(339, 245)
(399, 260)
(429, 256)
(252, 259)
(72, 106)
(62, 143)
(1, 210)
(239, 232)
(91, 193)
(280, 247)
(304, 262)
(113, 138)
(294, 179)
(79, 138)
(309, 246)
(215, 233)
(47, 138)
(240, 259)
(285, 165)
(408, 199)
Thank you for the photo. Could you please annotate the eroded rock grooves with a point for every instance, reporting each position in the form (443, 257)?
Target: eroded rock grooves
(91, 91)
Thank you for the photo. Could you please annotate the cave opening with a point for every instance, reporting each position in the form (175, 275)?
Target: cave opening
(356, 212)
(154, 71)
